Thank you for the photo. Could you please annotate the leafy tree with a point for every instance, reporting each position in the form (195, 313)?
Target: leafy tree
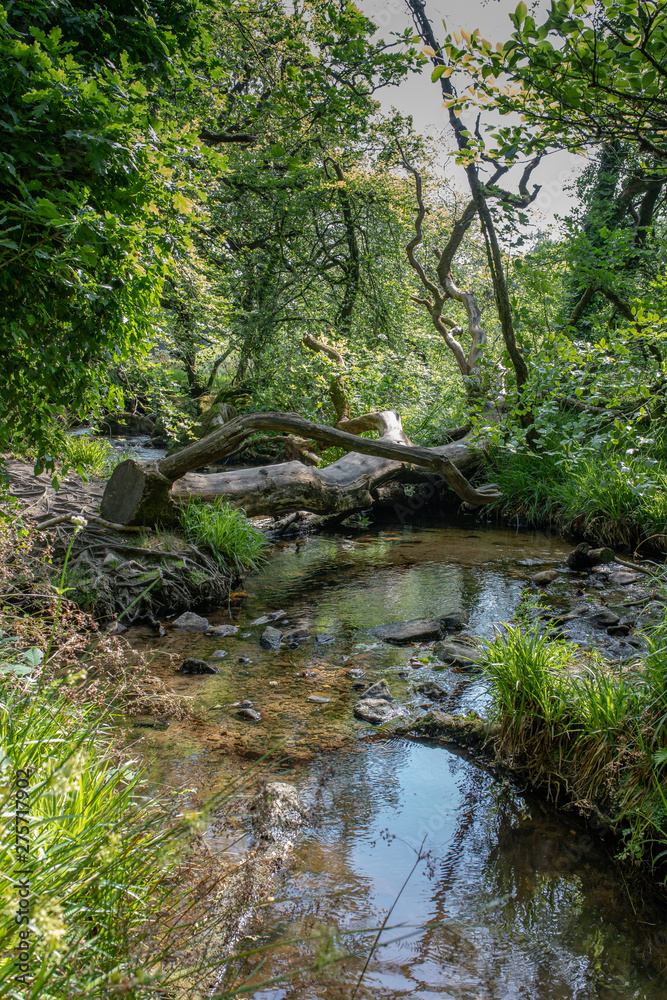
(87, 198)
(589, 73)
(290, 221)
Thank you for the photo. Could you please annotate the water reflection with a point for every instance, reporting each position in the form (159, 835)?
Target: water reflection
(511, 901)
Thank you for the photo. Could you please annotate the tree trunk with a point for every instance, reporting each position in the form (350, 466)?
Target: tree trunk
(143, 493)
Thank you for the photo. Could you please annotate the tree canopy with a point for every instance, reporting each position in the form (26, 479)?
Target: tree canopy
(205, 209)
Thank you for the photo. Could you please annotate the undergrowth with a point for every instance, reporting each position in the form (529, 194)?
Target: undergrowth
(99, 854)
(94, 456)
(90, 455)
(234, 541)
(592, 736)
(616, 498)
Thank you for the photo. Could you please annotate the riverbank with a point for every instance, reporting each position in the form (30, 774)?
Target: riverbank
(117, 571)
(593, 740)
(324, 596)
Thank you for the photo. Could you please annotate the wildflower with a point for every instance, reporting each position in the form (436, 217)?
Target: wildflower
(80, 522)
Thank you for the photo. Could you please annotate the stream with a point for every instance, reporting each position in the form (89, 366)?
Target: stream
(506, 898)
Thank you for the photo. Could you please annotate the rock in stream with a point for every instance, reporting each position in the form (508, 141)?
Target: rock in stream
(420, 629)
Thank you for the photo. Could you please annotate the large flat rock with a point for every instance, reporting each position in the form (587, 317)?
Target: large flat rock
(420, 629)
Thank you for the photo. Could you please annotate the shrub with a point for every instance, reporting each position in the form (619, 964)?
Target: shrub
(97, 851)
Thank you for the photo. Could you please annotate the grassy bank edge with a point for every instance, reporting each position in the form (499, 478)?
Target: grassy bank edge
(592, 738)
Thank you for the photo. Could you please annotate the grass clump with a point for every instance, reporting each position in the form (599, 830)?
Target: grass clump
(234, 541)
(592, 736)
(90, 455)
(96, 849)
(618, 499)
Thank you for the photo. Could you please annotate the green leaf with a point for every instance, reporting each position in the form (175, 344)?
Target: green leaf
(33, 656)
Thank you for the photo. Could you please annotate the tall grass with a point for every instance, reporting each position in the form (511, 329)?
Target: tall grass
(117, 905)
(235, 542)
(90, 455)
(97, 852)
(615, 498)
(593, 736)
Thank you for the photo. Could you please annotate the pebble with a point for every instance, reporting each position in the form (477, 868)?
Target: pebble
(545, 577)
(218, 654)
(250, 714)
(623, 579)
(318, 699)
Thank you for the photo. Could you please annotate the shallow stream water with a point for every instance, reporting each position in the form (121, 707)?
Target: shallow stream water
(510, 899)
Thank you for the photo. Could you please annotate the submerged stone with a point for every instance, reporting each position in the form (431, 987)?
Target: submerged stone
(318, 699)
(378, 690)
(220, 631)
(271, 638)
(191, 622)
(249, 714)
(191, 665)
(604, 618)
(277, 811)
(432, 690)
(271, 617)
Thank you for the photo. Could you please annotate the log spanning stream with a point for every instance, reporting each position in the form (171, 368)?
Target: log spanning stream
(513, 899)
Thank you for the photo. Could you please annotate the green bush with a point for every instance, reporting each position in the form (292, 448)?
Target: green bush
(590, 735)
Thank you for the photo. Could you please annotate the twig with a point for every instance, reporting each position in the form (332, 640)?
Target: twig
(420, 857)
(634, 567)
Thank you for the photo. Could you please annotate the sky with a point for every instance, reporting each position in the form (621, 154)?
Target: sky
(422, 99)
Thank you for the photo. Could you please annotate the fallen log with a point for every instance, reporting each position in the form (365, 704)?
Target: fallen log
(142, 493)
